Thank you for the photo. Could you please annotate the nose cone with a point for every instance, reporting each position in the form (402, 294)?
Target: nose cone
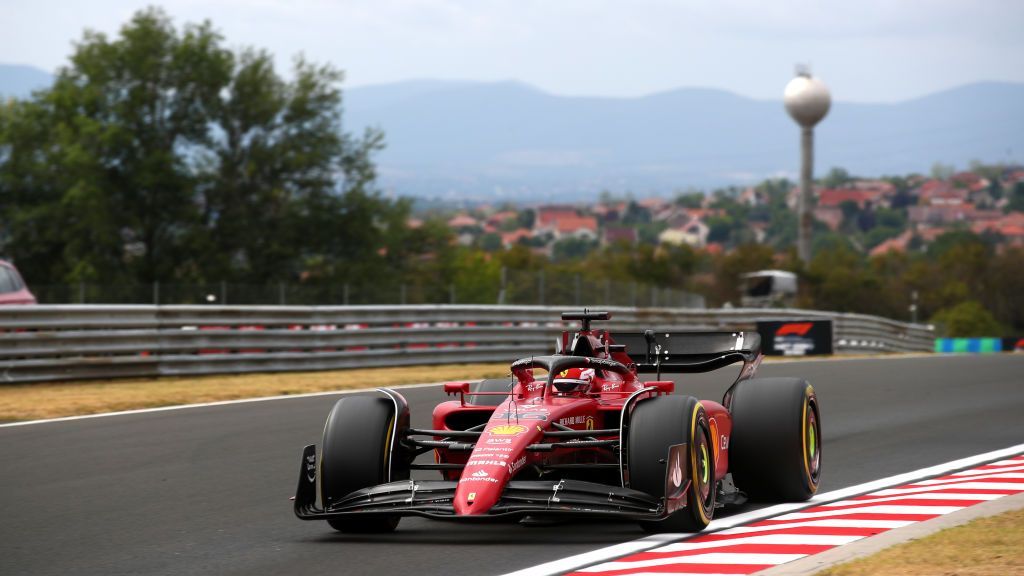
(489, 467)
(807, 100)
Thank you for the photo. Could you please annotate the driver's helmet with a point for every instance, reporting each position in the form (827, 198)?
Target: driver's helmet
(574, 380)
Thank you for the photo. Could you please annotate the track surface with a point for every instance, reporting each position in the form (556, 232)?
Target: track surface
(205, 490)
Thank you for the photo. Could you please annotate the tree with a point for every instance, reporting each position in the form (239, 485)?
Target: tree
(942, 171)
(836, 178)
(162, 155)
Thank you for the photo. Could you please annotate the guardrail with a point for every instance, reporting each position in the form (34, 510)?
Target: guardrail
(47, 343)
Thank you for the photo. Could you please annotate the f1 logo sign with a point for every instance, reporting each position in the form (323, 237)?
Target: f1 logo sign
(796, 328)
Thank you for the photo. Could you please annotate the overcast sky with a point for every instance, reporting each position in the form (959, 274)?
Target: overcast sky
(865, 50)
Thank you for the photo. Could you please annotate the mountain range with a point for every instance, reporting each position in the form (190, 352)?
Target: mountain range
(509, 140)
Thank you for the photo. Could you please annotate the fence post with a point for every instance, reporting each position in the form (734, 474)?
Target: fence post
(156, 293)
(280, 293)
(223, 292)
(632, 295)
(401, 296)
(344, 293)
(81, 292)
(579, 289)
(451, 293)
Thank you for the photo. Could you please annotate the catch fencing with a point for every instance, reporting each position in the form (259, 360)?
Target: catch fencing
(50, 343)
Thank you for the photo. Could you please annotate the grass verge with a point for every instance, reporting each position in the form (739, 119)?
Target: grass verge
(54, 400)
(987, 546)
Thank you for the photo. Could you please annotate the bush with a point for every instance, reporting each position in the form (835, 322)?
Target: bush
(967, 320)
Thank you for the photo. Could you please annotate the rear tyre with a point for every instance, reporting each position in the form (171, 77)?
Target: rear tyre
(655, 425)
(492, 385)
(357, 454)
(775, 447)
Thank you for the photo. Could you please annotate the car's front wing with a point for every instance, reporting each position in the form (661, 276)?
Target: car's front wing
(433, 499)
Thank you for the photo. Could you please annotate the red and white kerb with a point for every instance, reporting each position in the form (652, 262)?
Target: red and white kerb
(753, 547)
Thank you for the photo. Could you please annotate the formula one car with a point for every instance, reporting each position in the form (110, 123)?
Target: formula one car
(575, 434)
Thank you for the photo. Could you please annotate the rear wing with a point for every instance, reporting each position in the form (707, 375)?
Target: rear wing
(686, 352)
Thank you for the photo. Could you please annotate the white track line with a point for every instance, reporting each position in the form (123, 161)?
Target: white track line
(578, 561)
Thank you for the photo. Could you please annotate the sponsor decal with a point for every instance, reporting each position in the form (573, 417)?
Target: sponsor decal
(507, 429)
(311, 468)
(676, 475)
(725, 442)
(471, 479)
(589, 423)
(515, 466)
(471, 497)
(534, 386)
(492, 449)
(480, 474)
(576, 420)
(485, 463)
(521, 416)
(612, 387)
(499, 441)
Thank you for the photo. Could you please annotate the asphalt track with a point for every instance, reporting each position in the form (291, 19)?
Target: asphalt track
(205, 490)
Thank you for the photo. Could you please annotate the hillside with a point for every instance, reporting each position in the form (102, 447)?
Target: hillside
(461, 139)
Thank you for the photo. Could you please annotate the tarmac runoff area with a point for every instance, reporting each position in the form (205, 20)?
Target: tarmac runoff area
(820, 536)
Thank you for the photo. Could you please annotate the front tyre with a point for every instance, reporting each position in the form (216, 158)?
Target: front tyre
(657, 424)
(357, 454)
(775, 448)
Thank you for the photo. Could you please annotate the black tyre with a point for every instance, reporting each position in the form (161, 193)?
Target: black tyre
(357, 454)
(655, 425)
(493, 385)
(775, 448)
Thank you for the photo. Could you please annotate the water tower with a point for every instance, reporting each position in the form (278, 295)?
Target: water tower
(807, 101)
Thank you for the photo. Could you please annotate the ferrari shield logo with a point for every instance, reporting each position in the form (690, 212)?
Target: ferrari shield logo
(507, 430)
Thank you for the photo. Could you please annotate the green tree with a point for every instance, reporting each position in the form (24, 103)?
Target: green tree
(159, 154)
(836, 178)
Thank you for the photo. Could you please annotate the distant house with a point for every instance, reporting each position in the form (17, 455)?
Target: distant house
(896, 244)
(941, 193)
(509, 239)
(835, 197)
(693, 233)
(563, 221)
(619, 235)
(831, 216)
(940, 213)
(1010, 226)
(462, 221)
(498, 218)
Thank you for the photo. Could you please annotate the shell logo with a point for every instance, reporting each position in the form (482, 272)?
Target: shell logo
(714, 434)
(507, 430)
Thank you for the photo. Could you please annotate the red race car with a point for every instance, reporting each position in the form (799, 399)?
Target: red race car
(577, 433)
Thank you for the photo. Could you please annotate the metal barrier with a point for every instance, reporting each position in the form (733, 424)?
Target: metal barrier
(47, 343)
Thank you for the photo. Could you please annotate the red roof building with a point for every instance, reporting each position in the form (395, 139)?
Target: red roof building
(834, 197)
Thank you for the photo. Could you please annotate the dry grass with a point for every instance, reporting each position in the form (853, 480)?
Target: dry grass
(992, 546)
(36, 401)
